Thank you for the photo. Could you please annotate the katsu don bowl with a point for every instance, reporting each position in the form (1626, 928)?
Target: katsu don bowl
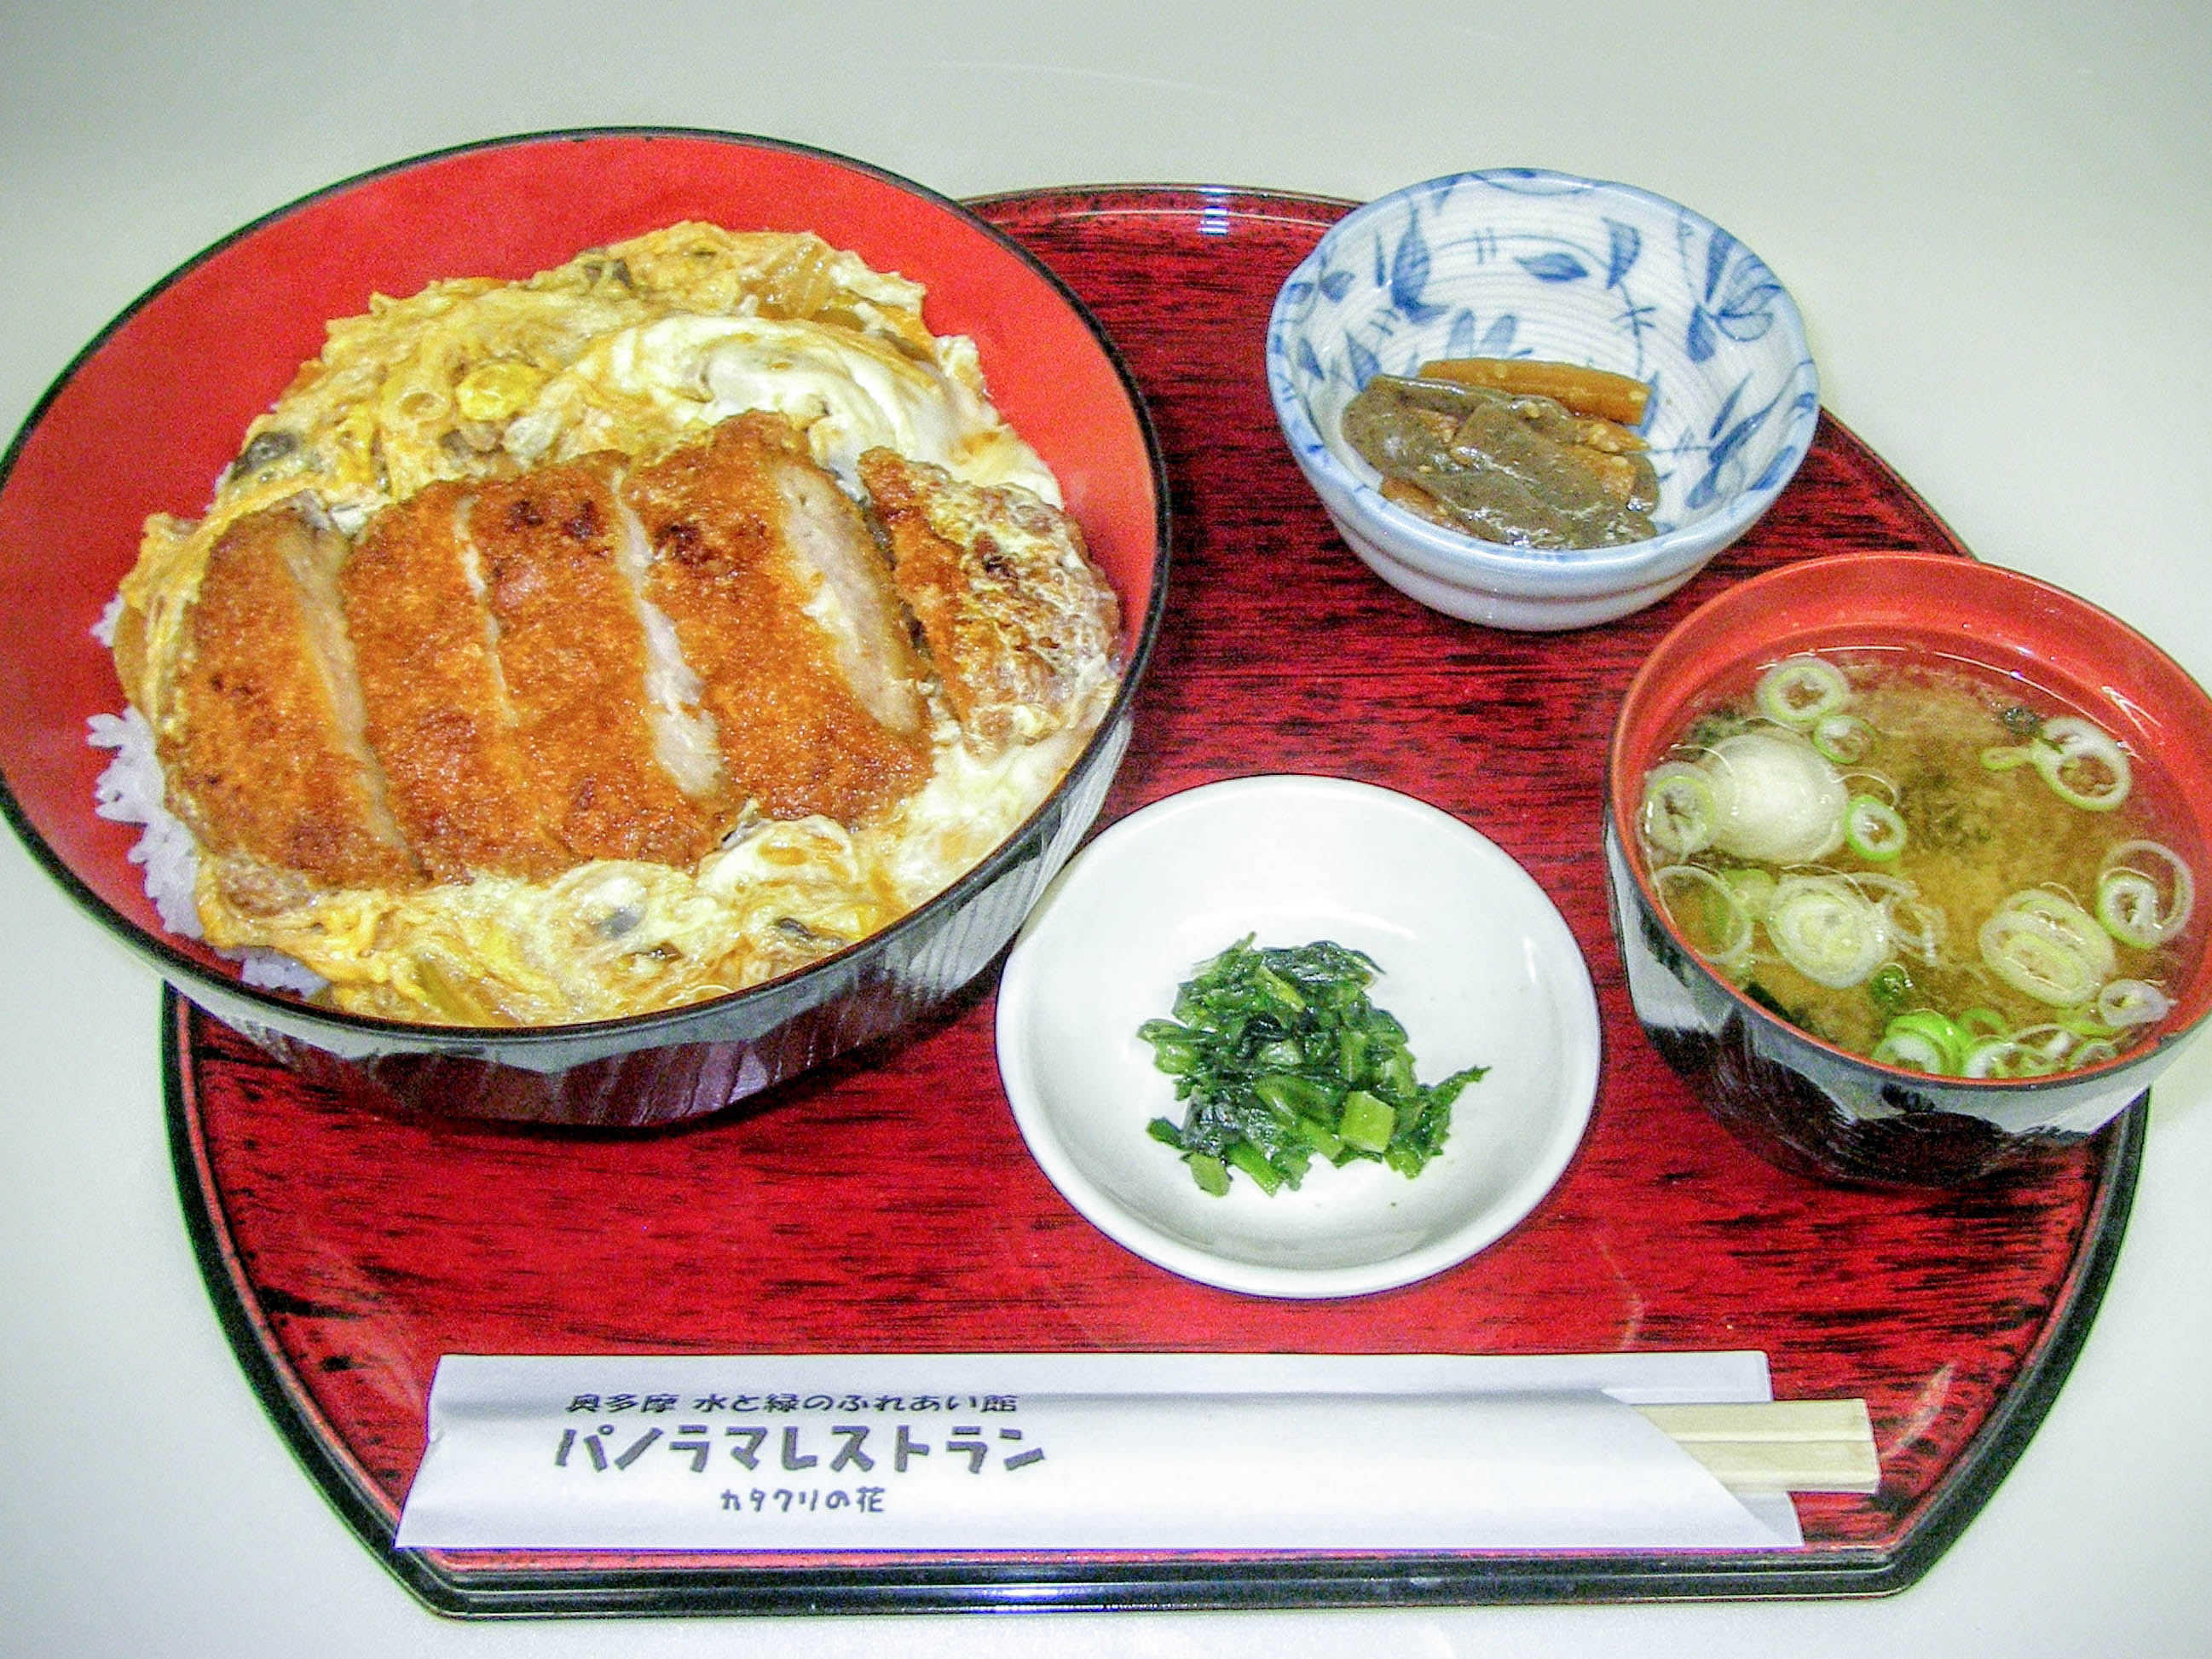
(580, 628)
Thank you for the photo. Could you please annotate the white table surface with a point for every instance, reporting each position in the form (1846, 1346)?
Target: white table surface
(1998, 222)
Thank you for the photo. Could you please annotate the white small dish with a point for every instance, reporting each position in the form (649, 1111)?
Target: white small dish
(1475, 961)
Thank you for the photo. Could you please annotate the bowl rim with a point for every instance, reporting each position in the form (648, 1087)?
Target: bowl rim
(1449, 555)
(1755, 591)
(682, 1022)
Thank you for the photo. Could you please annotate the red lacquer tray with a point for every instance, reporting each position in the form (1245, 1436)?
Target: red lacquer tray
(888, 1205)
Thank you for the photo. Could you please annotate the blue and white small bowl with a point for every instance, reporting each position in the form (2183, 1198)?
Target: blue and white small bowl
(1517, 262)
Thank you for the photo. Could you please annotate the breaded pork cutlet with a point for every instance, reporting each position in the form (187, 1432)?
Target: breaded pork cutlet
(586, 662)
(783, 606)
(557, 557)
(261, 740)
(459, 782)
(1020, 625)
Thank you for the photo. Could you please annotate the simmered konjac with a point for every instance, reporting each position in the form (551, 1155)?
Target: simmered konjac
(1923, 865)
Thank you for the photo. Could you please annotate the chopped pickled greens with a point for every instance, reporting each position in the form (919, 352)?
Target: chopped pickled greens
(1279, 1058)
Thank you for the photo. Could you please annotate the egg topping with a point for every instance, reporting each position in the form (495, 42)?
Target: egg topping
(524, 592)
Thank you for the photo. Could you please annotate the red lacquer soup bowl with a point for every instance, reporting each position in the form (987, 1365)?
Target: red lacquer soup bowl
(148, 415)
(1811, 1105)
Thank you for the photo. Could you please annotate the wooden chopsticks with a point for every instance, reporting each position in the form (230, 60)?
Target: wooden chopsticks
(1786, 1445)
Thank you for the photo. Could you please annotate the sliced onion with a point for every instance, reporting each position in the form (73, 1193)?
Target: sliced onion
(2086, 1021)
(1873, 830)
(1827, 930)
(1913, 1051)
(2095, 1051)
(1914, 927)
(2127, 1002)
(1924, 1030)
(1775, 799)
(2047, 947)
(2004, 1057)
(2054, 1042)
(1678, 809)
(2085, 766)
(2130, 906)
(2072, 1048)
(1842, 739)
(1754, 889)
(2067, 922)
(1733, 940)
(1872, 882)
(1799, 691)
(1979, 1025)
(2134, 907)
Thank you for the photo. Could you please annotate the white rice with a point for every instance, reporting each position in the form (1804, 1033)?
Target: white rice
(130, 792)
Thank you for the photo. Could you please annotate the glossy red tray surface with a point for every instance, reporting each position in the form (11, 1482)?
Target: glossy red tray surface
(887, 1204)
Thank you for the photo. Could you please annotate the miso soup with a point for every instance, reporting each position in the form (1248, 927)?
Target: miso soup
(1925, 863)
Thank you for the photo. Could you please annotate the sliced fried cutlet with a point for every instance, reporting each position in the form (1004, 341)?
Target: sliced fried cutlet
(460, 784)
(782, 606)
(578, 666)
(1021, 626)
(261, 736)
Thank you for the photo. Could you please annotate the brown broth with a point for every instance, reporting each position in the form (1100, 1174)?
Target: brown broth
(1974, 837)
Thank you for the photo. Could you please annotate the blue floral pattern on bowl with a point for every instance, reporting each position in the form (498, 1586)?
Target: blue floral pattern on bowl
(1526, 263)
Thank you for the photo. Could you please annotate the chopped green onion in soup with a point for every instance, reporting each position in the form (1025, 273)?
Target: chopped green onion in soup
(1913, 860)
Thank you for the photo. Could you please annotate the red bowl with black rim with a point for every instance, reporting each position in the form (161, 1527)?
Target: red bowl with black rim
(1811, 1105)
(151, 412)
